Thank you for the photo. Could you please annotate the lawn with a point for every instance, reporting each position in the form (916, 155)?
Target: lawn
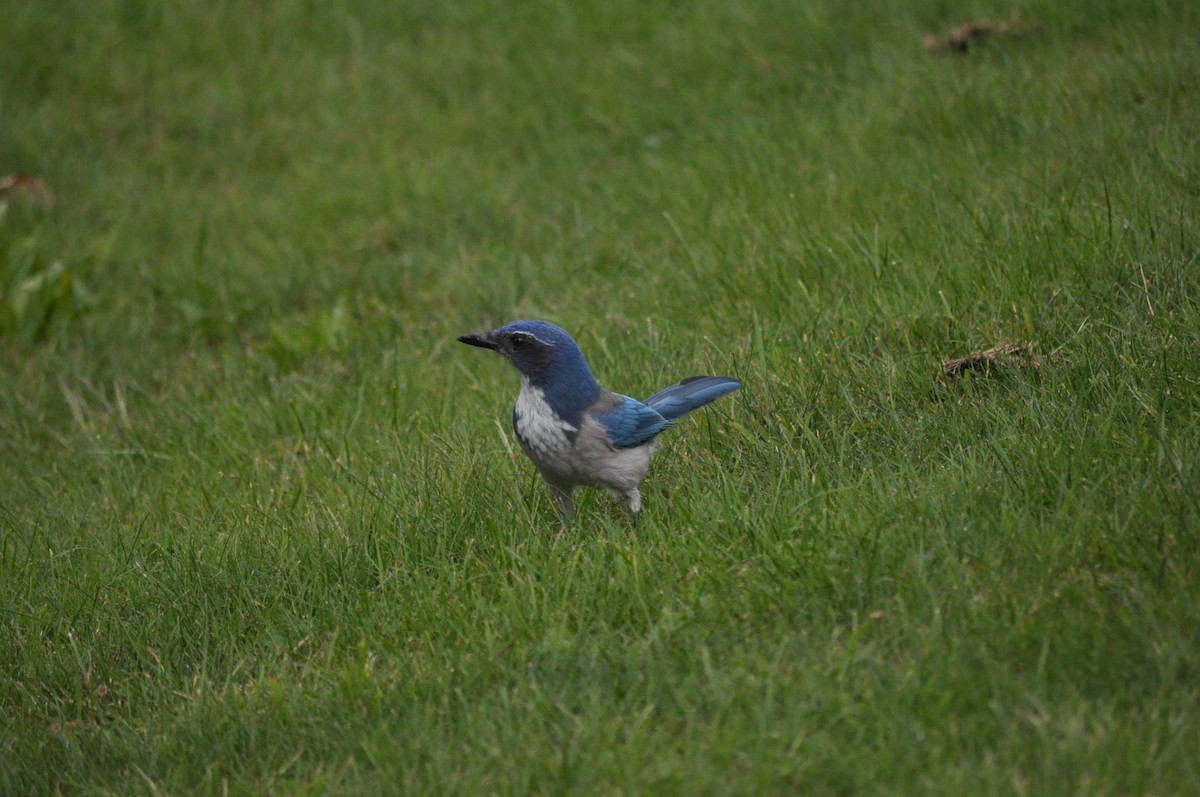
(265, 529)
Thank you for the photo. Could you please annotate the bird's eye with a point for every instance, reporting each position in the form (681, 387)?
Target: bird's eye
(519, 340)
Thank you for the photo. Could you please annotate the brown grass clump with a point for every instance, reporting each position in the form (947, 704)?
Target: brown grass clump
(971, 32)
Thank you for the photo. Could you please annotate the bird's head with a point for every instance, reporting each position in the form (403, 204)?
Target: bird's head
(543, 353)
(531, 346)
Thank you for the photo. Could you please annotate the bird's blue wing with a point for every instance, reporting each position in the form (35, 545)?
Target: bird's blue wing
(627, 421)
(692, 393)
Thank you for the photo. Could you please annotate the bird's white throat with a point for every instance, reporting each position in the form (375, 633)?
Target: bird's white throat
(537, 425)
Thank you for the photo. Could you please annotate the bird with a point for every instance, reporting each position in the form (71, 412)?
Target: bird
(576, 432)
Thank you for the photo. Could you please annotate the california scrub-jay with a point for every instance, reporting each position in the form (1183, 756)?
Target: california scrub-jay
(576, 432)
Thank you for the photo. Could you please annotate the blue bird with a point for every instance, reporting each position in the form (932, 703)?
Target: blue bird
(576, 432)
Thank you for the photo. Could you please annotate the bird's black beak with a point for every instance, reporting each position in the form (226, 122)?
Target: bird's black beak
(484, 340)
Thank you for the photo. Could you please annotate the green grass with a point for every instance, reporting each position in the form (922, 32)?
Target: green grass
(263, 526)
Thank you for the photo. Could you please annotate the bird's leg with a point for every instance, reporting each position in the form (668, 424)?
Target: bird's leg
(634, 499)
(562, 498)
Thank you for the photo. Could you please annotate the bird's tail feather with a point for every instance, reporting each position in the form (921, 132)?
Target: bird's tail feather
(692, 393)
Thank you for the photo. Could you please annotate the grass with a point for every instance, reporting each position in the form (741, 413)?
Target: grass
(263, 527)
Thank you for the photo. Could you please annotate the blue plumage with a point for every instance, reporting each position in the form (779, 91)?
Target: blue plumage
(631, 423)
(576, 432)
(690, 394)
